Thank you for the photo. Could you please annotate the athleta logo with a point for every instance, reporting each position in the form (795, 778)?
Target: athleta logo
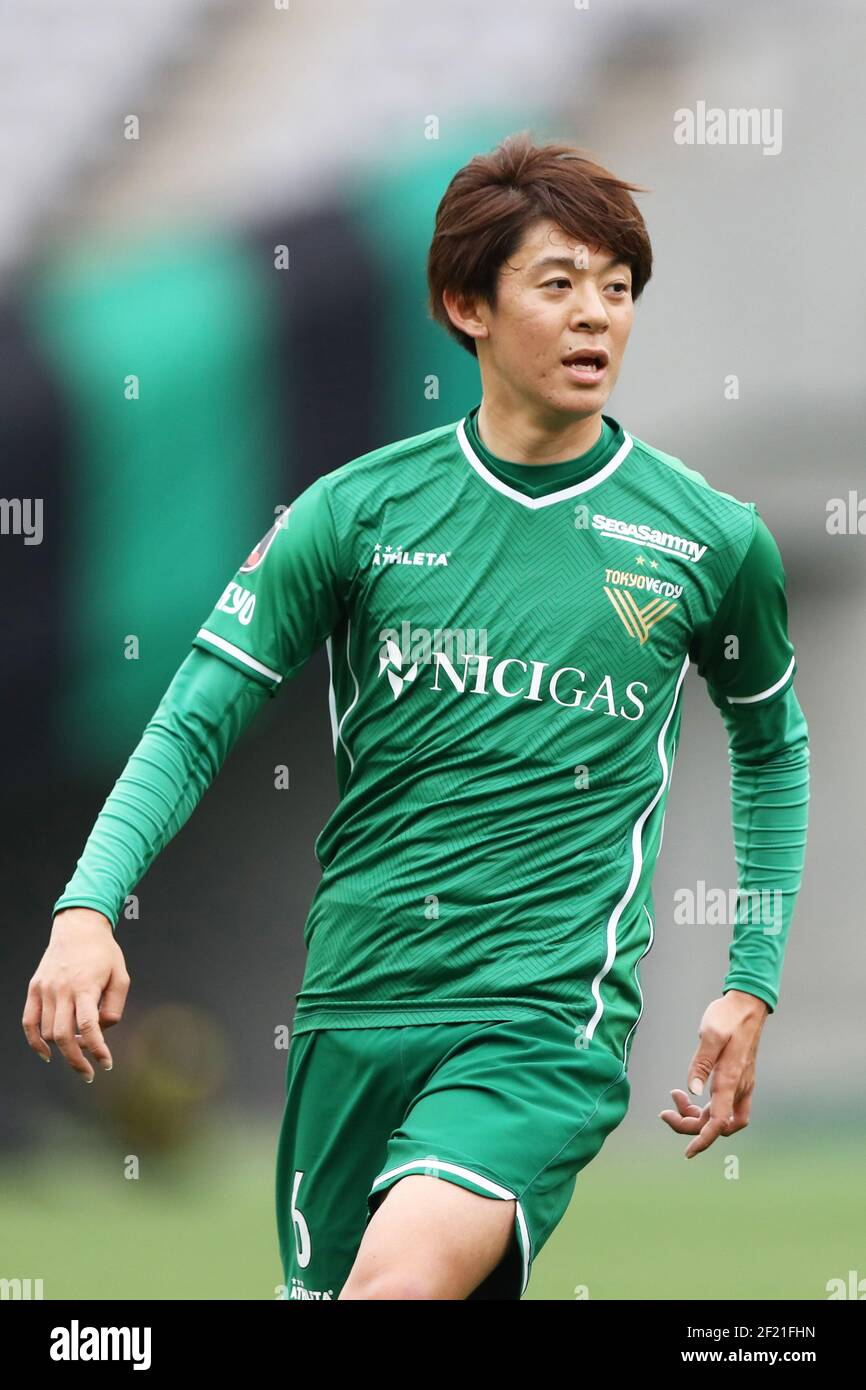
(300, 1290)
(542, 684)
(647, 535)
(391, 661)
(396, 555)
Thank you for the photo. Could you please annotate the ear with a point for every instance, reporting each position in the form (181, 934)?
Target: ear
(464, 312)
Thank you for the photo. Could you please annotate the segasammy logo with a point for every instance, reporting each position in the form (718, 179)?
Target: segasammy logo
(77, 1343)
(649, 536)
(507, 678)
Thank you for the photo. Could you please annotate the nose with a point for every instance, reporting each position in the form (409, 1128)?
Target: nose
(590, 311)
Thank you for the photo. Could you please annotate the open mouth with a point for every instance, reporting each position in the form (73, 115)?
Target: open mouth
(587, 365)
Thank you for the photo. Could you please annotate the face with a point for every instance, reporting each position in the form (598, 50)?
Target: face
(556, 298)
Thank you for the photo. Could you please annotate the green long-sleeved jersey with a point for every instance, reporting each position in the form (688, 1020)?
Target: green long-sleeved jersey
(507, 656)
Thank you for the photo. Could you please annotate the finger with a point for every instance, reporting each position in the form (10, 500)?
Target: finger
(734, 1126)
(64, 1036)
(708, 1135)
(720, 1116)
(30, 1021)
(113, 1000)
(688, 1119)
(699, 1071)
(683, 1124)
(727, 1113)
(686, 1104)
(49, 1006)
(724, 1089)
(742, 1113)
(89, 1033)
(705, 1057)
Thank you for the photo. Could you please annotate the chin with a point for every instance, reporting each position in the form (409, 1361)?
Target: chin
(583, 401)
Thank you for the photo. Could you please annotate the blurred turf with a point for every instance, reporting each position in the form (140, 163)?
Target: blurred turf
(201, 1225)
(677, 1228)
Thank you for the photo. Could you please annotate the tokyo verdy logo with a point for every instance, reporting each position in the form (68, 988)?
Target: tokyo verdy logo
(638, 620)
(391, 662)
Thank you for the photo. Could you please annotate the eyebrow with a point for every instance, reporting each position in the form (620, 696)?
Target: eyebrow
(569, 262)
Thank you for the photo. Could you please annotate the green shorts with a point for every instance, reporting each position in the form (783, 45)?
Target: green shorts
(510, 1110)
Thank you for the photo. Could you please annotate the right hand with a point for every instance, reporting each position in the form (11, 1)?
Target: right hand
(79, 988)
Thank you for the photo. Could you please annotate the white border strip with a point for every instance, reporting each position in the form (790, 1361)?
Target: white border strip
(535, 502)
(354, 702)
(492, 1187)
(332, 703)
(764, 694)
(638, 962)
(637, 859)
(241, 655)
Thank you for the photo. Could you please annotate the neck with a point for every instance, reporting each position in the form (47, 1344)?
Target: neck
(521, 437)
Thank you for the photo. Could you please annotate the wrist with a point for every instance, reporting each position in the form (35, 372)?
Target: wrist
(751, 1002)
(81, 917)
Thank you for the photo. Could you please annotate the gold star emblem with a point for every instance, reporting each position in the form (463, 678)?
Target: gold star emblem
(639, 560)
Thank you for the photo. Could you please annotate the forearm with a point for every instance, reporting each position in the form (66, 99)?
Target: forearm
(201, 715)
(769, 756)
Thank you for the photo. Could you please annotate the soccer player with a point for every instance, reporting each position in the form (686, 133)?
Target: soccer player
(510, 603)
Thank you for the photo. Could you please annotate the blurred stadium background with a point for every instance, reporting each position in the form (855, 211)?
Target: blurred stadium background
(331, 129)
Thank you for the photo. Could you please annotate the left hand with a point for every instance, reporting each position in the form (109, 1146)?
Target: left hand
(727, 1048)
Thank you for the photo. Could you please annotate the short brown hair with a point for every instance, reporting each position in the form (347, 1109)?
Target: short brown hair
(492, 201)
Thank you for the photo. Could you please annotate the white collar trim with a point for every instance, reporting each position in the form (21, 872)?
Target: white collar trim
(549, 498)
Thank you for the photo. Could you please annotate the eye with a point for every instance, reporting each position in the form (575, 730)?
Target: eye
(621, 285)
(561, 280)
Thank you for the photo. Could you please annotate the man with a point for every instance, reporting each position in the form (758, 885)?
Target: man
(510, 604)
